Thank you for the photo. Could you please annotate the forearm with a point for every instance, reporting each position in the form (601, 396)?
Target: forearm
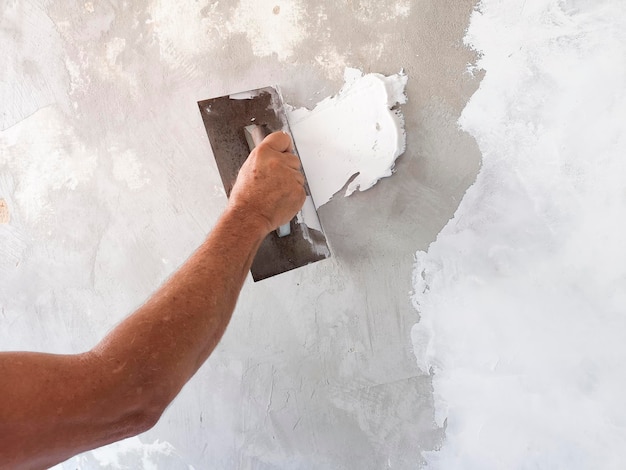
(121, 386)
(161, 345)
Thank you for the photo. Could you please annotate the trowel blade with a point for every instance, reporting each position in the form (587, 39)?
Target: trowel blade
(225, 119)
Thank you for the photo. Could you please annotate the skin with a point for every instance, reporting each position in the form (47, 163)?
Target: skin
(55, 406)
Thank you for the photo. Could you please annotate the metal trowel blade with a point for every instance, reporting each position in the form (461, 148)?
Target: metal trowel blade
(225, 120)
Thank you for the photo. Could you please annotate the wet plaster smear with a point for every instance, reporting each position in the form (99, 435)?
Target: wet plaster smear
(107, 184)
(356, 133)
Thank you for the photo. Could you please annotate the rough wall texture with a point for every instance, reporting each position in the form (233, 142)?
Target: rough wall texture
(108, 184)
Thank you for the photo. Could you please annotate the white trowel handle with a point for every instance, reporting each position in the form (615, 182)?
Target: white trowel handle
(254, 136)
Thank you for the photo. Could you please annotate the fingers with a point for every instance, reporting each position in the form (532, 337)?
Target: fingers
(279, 141)
(291, 161)
(270, 183)
(299, 177)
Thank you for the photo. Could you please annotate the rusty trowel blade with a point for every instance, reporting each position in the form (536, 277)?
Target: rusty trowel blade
(225, 119)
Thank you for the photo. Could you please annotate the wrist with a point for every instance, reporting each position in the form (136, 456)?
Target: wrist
(249, 221)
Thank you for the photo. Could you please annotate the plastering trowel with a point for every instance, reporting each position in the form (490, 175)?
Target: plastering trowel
(237, 123)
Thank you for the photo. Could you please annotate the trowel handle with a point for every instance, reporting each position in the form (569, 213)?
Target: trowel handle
(257, 134)
(254, 136)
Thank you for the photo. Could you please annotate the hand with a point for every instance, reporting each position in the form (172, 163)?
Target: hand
(270, 184)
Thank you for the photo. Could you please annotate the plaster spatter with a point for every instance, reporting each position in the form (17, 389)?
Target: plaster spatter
(359, 132)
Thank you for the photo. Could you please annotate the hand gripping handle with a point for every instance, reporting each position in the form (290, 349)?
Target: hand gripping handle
(254, 136)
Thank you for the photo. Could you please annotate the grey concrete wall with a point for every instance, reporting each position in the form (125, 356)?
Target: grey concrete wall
(108, 184)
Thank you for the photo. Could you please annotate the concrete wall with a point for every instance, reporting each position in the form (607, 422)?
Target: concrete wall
(108, 184)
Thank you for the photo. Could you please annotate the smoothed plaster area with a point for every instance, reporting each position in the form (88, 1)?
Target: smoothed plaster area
(522, 295)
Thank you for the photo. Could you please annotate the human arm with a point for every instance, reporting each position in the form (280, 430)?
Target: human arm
(55, 406)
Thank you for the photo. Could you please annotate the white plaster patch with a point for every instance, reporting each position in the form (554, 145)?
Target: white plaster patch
(271, 26)
(355, 132)
(374, 50)
(522, 295)
(128, 169)
(32, 74)
(129, 453)
(171, 22)
(44, 154)
(402, 8)
(87, 64)
(111, 70)
(79, 81)
(376, 11)
(114, 48)
(332, 61)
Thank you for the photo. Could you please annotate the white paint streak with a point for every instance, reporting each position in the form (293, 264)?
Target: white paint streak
(355, 132)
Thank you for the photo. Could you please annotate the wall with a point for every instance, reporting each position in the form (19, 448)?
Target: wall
(109, 184)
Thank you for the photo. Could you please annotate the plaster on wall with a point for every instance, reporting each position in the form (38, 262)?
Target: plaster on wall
(522, 295)
(358, 133)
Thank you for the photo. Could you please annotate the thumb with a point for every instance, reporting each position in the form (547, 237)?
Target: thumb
(279, 141)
